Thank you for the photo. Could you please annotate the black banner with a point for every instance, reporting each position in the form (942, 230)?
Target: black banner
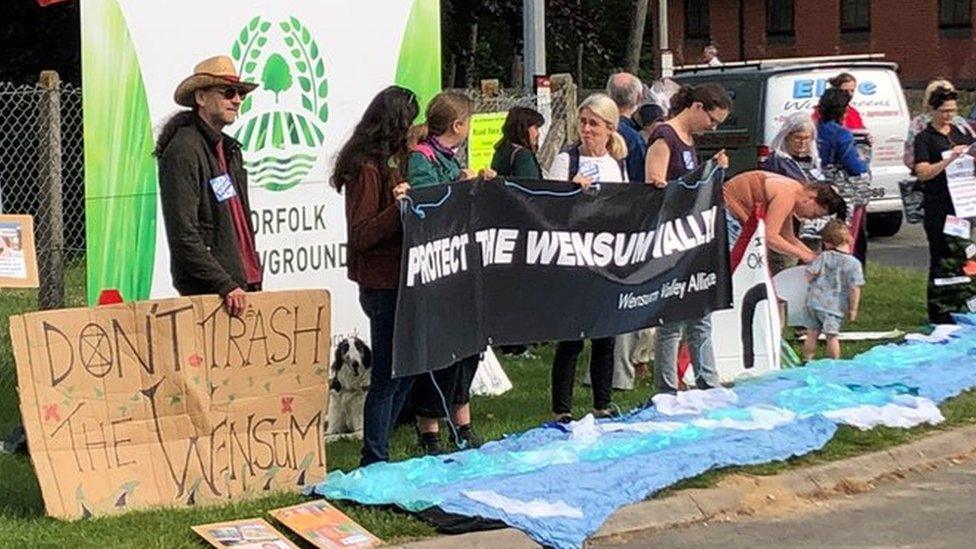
(504, 262)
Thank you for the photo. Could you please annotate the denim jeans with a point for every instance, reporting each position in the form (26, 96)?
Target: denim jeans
(386, 395)
(699, 335)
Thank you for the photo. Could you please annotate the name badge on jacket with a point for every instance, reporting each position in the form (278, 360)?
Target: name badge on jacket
(223, 187)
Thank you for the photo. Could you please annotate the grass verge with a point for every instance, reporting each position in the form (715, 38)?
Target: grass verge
(893, 298)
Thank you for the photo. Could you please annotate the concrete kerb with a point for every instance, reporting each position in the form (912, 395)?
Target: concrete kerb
(696, 505)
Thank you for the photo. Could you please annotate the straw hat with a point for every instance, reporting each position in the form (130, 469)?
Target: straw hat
(216, 71)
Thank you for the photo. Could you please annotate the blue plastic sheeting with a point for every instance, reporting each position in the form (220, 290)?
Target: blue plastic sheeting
(559, 484)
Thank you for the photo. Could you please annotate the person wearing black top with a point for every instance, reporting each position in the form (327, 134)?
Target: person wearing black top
(515, 153)
(936, 147)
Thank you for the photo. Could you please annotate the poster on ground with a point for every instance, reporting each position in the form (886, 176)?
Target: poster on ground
(174, 402)
(18, 256)
(318, 64)
(325, 527)
(244, 534)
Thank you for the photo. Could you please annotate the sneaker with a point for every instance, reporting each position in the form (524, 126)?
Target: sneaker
(606, 413)
(564, 419)
(430, 444)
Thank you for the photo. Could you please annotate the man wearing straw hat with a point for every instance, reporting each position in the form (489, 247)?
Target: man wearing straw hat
(203, 189)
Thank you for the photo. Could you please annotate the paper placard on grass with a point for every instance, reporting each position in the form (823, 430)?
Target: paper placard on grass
(324, 526)
(244, 534)
(174, 402)
(484, 134)
(18, 256)
(961, 180)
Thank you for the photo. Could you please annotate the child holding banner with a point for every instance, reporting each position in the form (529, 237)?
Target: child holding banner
(369, 167)
(433, 162)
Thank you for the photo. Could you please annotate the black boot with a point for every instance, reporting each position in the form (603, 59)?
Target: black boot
(468, 437)
(430, 443)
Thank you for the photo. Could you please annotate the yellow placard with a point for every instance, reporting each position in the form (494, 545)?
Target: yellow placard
(483, 135)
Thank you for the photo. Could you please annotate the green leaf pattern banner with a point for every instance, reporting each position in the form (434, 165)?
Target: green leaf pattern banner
(316, 69)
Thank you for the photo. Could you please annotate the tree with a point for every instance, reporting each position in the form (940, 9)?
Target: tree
(635, 38)
(276, 76)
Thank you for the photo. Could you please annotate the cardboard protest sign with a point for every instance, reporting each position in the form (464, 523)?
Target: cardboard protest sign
(18, 257)
(174, 402)
(244, 534)
(325, 527)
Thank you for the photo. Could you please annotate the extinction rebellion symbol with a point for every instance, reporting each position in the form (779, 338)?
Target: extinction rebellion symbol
(282, 124)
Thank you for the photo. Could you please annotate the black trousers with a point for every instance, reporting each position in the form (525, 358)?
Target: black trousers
(453, 387)
(938, 251)
(564, 373)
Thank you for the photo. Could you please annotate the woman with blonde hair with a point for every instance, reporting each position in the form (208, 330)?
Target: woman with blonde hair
(920, 122)
(597, 157)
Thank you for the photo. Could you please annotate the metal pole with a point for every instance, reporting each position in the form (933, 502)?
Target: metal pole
(666, 66)
(534, 39)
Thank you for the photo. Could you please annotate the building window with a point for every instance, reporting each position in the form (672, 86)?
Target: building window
(955, 14)
(779, 18)
(855, 15)
(697, 25)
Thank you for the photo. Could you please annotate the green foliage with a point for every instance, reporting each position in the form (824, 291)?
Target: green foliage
(276, 76)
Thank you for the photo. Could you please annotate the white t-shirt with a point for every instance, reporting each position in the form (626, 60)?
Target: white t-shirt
(600, 168)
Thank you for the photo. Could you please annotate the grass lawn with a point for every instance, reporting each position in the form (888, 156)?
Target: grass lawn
(893, 298)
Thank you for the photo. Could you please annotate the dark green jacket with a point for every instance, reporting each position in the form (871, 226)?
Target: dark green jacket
(516, 162)
(204, 257)
(427, 166)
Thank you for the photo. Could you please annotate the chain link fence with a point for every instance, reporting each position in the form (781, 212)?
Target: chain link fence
(42, 175)
(562, 116)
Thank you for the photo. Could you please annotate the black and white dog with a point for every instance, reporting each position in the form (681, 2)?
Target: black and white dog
(347, 391)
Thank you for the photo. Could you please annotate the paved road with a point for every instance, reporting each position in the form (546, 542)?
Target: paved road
(908, 249)
(931, 510)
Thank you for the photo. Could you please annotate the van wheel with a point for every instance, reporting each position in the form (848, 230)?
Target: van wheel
(884, 224)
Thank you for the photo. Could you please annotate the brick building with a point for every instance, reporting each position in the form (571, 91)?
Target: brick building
(927, 38)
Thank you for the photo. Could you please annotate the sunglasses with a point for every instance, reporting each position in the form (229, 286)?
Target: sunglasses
(230, 93)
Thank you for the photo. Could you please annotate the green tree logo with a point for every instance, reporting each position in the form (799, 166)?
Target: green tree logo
(282, 127)
(277, 76)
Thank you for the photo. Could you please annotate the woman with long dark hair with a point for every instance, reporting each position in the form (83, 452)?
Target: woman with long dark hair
(515, 152)
(371, 168)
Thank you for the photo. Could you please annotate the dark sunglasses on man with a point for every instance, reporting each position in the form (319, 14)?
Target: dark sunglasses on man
(228, 93)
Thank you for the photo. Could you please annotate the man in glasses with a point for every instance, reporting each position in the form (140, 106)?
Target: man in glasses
(203, 189)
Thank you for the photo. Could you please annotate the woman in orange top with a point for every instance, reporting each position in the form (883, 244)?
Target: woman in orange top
(782, 199)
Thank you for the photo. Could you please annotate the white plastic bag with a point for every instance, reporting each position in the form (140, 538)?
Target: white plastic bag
(490, 379)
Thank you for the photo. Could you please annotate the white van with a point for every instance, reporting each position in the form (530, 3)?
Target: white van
(765, 92)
